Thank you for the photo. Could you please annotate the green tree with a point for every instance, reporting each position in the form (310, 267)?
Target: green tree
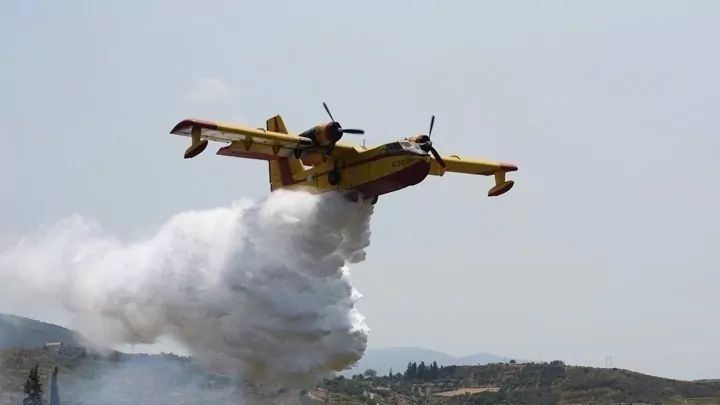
(54, 393)
(33, 388)
(370, 373)
(422, 371)
(434, 370)
(412, 371)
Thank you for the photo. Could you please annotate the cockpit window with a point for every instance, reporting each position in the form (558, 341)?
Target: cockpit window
(393, 147)
(403, 146)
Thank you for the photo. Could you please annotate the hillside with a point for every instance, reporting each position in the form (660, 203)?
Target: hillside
(429, 377)
(508, 383)
(20, 332)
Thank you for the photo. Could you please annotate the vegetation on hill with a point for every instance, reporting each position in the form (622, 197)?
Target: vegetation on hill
(126, 378)
(33, 388)
(512, 383)
(396, 358)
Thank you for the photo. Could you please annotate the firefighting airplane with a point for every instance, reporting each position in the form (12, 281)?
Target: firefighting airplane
(314, 160)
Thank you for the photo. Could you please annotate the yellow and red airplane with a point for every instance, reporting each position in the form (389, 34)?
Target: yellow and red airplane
(315, 160)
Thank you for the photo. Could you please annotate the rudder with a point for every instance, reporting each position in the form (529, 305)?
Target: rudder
(282, 171)
(285, 172)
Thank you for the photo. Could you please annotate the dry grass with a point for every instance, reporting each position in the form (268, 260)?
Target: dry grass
(703, 400)
(468, 390)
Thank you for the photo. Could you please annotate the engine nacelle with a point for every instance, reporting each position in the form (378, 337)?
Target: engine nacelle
(324, 134)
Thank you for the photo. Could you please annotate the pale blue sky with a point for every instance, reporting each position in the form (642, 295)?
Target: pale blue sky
(607, 245)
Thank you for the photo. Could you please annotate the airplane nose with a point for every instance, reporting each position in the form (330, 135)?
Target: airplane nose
(422, 139)
(334, 133)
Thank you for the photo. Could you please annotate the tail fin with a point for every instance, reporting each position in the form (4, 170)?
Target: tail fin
(285, 171)
(276, 124)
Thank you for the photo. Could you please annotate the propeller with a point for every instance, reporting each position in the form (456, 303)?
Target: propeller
(427, 146)
(337, 127)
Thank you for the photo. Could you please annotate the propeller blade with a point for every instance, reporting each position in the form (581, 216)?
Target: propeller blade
(328, 112)
(437, 157)
(339, 127)
(432, 124)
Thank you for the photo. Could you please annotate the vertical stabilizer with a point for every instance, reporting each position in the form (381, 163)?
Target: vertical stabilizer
(283, 171)
(276, 124)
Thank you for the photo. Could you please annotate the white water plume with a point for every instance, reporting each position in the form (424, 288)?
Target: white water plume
(259, 289)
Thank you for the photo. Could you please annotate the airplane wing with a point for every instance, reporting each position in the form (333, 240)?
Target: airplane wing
(220, 132)
(455, 164)
(245, 142)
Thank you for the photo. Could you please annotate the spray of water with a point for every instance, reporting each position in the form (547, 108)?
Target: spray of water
(258, 289)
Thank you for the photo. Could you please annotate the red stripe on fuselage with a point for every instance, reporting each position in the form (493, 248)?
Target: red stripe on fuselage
(185, 126)
(286, 175)
(407, 177)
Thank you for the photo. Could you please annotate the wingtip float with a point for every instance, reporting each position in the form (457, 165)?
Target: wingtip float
(315, 160)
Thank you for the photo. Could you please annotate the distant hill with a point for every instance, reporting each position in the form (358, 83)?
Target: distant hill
(24, 333)
(397, 358)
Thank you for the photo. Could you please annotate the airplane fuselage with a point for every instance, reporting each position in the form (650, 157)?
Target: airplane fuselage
(371, 172)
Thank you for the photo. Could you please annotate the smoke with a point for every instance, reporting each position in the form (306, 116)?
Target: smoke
(256, 289)
(150, 380)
